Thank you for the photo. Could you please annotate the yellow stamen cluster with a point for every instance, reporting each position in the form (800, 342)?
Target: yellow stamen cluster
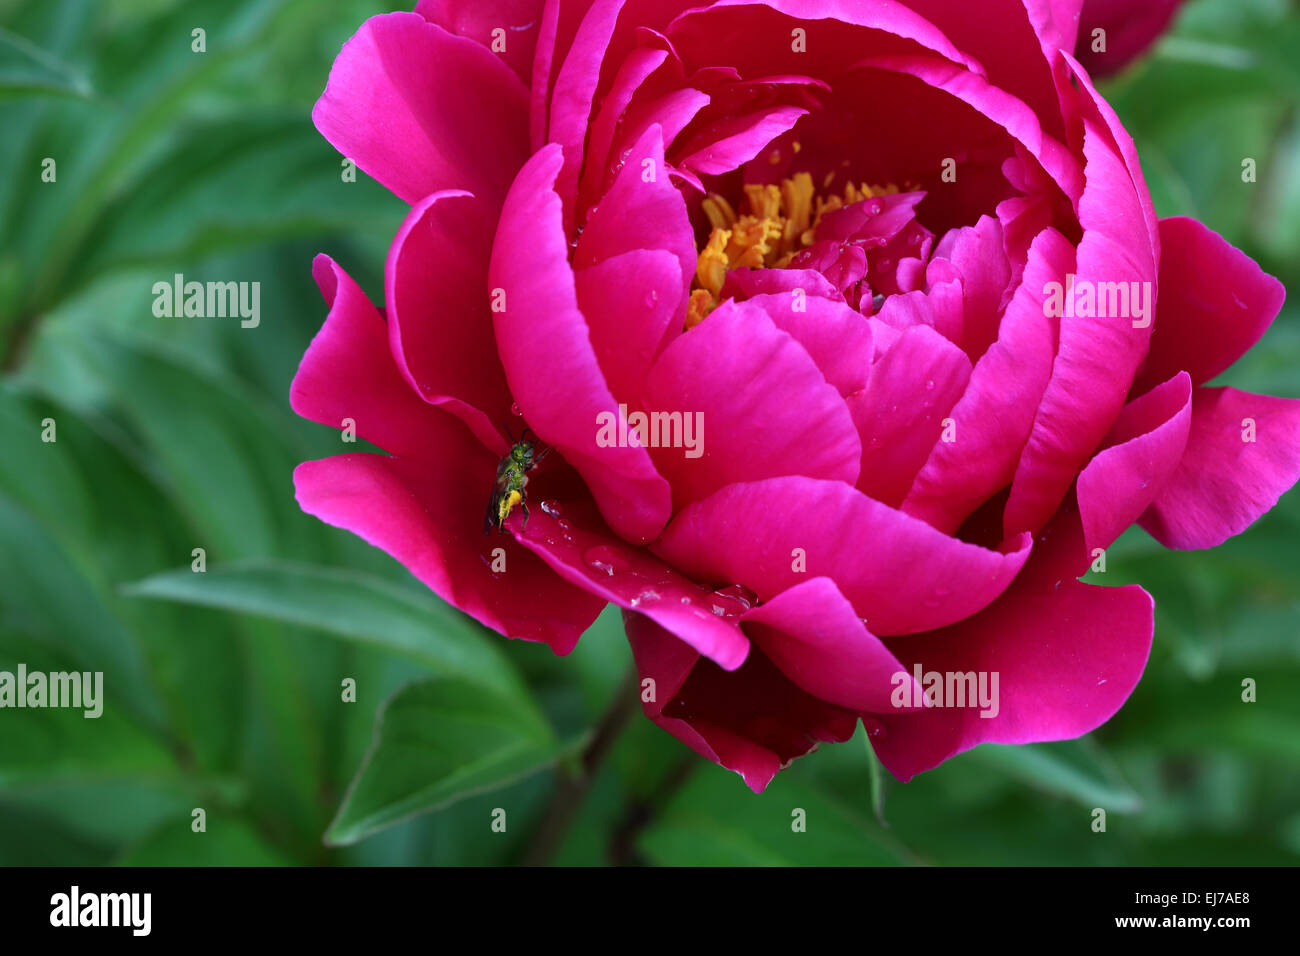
(774, 224)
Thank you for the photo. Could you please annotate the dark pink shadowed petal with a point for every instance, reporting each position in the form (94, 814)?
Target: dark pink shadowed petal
(753, 720)
(422, 110)
(900, 574)
(1225, 481)
(1130, 28)
(549, 360)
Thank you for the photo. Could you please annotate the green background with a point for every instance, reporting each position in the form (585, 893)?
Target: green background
(224, 688)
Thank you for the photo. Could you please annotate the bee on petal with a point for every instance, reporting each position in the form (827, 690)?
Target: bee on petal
(511, 486)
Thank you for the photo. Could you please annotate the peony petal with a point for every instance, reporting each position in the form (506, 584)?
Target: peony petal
(655, 206)
(732, 376)
(348, 373)
(1226, 482)
(752, 720)
(1065, 659)
(993, 418)
(631, 302)
(422, 110)
(976, 254)
(439, 325)
(548, 357)
(900, 415)
(1145, 447)
(837, 337)
(900, 574)
(519, 21)
(1098, 357)
(430, 519)
(815, 637)
(736, 140)
(1215, 303)
(571, 537)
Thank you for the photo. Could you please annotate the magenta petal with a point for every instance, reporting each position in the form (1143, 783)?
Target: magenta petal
(348, 373)
(575, 88)
(631, 302)
(834, 335)
(439, 326)
(1096, 106)
(549, 360)
(734, 374)
(430, 519)
(746, 283)
(518, 21)
(1065, 658)
(1146, 446)
(753, 720)
(1226, 482)
(1098, 357)
(976, 254)
(900, 415)
(815, 637)
(422, 110)
(738, 139)
(770, 535)
(656, 207)
(994, 415)
(1215, 303)
(571, 538)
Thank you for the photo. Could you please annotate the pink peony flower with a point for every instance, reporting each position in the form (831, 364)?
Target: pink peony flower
(895, 266)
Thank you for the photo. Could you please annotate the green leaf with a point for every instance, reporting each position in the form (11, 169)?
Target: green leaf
(349, 604)
(225, 842)
(1075, 769)
(436, 742)
(26, 68)
(716, 821)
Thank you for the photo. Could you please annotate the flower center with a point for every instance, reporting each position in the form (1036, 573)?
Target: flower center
(774, 224)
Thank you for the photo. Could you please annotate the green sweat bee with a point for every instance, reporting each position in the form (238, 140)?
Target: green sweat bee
(512, 482)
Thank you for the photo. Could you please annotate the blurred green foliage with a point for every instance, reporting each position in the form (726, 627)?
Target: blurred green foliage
(225, 689)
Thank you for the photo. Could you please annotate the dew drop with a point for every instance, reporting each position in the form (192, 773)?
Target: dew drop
(875, 729)
(514, 409)
(605, 559)
(648, 596)
(552, 508)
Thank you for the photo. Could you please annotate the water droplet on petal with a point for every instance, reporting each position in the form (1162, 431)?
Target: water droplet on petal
(605, 559)
(552, 508)
(648, 596)
(514, 409)
(875, 729)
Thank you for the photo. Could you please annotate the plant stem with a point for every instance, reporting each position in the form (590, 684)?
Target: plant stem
(571, 789)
